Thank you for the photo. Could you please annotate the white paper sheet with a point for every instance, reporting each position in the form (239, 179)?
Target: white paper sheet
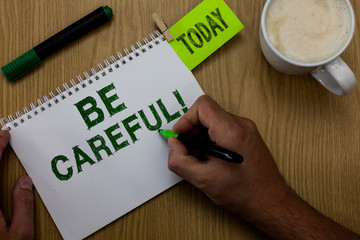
(107, 189)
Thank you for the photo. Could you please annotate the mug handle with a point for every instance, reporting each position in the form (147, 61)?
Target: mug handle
(336, 76)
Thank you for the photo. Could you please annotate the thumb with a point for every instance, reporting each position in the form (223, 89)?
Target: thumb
(22, 223)
(181, 163)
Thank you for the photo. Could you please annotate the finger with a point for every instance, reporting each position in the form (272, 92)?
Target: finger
(181, 163)
(4, 140)
(22, 224)
(3, 221)
(223, 128)
(205, 111)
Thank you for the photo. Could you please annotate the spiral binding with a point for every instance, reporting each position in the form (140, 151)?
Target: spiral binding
(82, 82)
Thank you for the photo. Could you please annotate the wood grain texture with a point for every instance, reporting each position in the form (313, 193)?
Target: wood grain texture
(313, 135)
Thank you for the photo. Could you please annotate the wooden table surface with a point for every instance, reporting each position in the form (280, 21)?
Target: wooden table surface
(313, 134)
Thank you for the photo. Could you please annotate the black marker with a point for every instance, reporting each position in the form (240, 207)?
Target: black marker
(204, 147)
(33, 57)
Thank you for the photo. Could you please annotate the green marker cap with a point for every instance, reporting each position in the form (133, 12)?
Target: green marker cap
(108, 11)
(168, 133)
(21, 65)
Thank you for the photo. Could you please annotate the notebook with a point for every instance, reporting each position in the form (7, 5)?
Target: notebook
(92, 149)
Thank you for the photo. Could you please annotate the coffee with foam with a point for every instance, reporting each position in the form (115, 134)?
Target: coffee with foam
(308, 31)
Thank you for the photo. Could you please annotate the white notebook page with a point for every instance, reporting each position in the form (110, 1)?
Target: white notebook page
(82, 199)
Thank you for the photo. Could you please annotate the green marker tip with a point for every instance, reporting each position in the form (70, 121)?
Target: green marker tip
(168, 133)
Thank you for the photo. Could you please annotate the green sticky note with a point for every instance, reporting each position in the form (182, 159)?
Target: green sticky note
(203, 30)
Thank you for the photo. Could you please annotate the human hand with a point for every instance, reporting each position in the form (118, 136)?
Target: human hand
(253, 189)
(249, 188)
(22, 224)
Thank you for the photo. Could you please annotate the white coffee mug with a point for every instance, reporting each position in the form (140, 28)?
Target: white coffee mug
(333, 73)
